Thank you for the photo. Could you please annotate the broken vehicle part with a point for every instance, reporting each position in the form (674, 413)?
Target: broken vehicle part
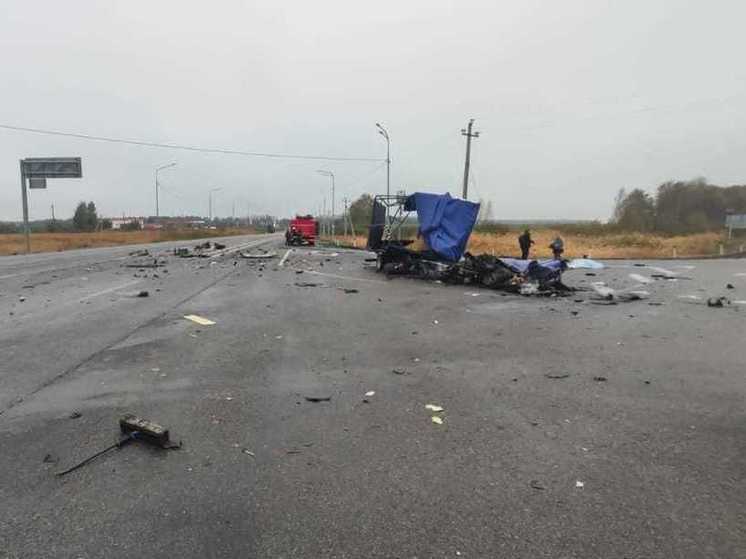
(132, 428)
(199, 320)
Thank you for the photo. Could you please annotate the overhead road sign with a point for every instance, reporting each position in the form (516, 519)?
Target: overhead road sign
(53, 167)
(37, 170)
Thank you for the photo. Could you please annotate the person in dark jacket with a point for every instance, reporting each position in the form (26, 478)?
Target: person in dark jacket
(525, 242)
(558, 247)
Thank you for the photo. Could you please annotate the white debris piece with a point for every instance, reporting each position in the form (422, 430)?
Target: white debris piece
(639, 278)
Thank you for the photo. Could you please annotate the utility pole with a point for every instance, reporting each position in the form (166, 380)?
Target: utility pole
(469, 135)
(344, 217)
(329, 174)
(52, 212)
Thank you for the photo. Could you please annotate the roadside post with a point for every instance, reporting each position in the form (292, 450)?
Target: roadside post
(37, 170)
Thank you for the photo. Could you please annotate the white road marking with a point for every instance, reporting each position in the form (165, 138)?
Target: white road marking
(110, 290)
(282, 262)
(249, 244)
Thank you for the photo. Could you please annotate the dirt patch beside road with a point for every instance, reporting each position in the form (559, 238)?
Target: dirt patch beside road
(55, 242)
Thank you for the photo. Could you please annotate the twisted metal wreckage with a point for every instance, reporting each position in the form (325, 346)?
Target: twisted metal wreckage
(445, 224)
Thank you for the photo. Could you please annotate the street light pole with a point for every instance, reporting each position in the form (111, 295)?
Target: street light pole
(210, 199)
(329, 174)
(157, 170)
(383, 132)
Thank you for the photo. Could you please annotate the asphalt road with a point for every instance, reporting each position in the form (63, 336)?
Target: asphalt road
(536, 456)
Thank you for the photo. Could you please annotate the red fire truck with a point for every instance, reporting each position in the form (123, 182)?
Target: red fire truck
(303, 230)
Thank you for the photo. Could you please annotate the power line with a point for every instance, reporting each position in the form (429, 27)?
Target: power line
(181, 147)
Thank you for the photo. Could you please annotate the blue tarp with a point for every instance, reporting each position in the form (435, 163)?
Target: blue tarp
(522, 266)
(445, 222)
(586, 263)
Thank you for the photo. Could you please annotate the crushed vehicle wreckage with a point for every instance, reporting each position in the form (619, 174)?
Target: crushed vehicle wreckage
(445, 224)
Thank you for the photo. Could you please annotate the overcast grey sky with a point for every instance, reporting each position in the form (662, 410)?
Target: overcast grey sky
(574, 99)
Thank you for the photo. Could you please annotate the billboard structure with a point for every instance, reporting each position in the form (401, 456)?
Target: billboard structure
(735, 221)
(37, 170)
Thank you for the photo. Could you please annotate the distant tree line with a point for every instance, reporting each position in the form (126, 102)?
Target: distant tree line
(678, 207)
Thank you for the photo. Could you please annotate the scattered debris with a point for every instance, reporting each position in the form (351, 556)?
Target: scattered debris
(22, 299)
(730, 286)
(50, 459)
(75, 414)
(307, 284)
(316, 399)
(143, 294)
(259, 256)
(529, 289)
(579, 484)
(536, 484)
(435, 322)
(437, 420)
(133, 428)
(248, 452)
(142, 265)
(586, 263)
(633, 296)
(556, 376)
(369, 395)
(434, 407)
(399, 371)
(349, 290)
(199, 320)
(600, 379)
(717, 301)
(218, 246)
(640, 278)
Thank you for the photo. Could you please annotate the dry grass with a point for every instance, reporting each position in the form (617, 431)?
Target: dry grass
(53, 242)
(631, 245)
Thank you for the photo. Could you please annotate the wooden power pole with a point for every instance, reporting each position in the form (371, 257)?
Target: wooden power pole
(469, 135)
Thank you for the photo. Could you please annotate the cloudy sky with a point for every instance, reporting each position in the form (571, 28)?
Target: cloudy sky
(574, 99)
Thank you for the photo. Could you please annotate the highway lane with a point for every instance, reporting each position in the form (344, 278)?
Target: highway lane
(72, 304)
(536, 456)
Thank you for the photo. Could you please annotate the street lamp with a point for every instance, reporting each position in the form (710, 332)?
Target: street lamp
(210, 199)
(382, 131)
(157, 209)
(329, 174)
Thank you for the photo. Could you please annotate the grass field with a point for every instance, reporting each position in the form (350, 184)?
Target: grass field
(617, 245)
(53, 242)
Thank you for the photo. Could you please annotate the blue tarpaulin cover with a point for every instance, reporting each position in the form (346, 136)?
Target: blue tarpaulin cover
(523, 266)
(445, 222)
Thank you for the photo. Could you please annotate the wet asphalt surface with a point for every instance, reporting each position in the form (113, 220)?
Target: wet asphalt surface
(571, 428)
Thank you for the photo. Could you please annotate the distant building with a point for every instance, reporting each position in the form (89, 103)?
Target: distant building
(180, 222)
(118, 222)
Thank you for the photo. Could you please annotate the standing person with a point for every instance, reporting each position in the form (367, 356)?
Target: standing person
(558, 247)
(525, 242)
